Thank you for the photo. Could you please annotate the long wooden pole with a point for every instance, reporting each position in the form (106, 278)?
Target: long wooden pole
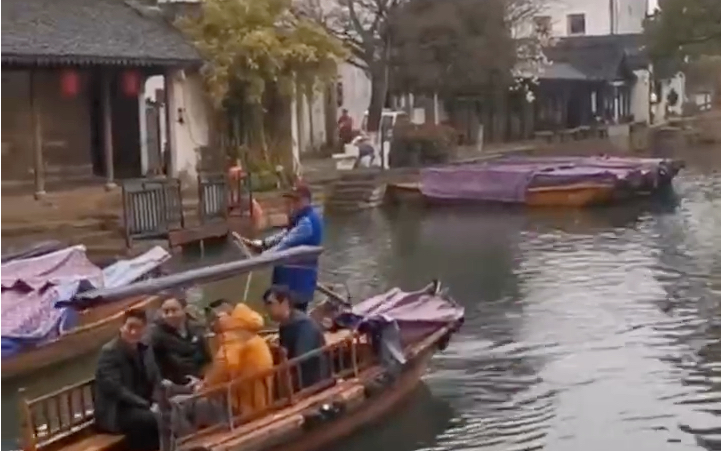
(321, 288)
(247, 253)
(203, 275)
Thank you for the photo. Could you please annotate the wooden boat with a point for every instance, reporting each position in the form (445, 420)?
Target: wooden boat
(576, 195)
(359, 391)
(96, 325)
(96, 321)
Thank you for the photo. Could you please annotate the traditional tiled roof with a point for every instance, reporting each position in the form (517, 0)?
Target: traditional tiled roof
(116, 32)
(603, 57)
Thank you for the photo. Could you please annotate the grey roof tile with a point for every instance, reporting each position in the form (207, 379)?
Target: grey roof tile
(599, 57)
(90, 32)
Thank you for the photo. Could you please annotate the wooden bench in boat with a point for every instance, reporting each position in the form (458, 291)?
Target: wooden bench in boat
(63, 420)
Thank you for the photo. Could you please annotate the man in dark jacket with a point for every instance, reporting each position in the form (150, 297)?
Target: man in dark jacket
(179, 345)
(125, 380)
(305, 228)
(298, 334)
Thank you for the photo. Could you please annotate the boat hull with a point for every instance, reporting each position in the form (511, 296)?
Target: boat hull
(369, 412)
(101, 326)
(573, 196)
(569, 196)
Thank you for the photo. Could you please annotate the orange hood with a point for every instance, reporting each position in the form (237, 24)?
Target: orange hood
(242, 318)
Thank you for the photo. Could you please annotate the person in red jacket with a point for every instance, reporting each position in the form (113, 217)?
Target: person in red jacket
(345, 127)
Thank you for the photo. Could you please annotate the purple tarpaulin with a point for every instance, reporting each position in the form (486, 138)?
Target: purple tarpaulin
(509, 181)
(398, 318)
(414, 307)
(488, 183)
(37, 292)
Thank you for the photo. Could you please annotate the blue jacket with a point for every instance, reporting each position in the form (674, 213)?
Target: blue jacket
(305, 228)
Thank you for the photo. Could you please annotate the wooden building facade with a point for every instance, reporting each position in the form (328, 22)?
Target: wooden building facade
(73, 73)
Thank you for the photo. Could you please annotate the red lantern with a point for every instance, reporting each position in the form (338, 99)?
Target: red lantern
(69, 83)
(131, 83)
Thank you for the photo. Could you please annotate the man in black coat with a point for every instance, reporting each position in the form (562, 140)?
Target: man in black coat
(125, 380)
(179, 345)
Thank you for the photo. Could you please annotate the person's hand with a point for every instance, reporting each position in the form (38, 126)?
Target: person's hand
(155, 408)
(255, 245)
(199, 386)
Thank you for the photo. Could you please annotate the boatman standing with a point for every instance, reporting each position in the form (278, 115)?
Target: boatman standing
(305, 228)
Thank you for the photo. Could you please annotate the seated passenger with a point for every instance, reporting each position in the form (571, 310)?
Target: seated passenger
(179, 345)
(125, 381)
(298, 334)
(241, 353)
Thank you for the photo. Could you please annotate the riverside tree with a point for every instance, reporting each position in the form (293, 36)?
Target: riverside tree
(256, 50)
(683, 29)
(425, 43)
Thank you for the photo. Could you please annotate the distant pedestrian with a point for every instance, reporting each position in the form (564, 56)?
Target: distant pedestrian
(345, 127)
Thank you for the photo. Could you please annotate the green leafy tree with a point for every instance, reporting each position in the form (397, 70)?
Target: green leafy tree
(682, 30)
(257, 51)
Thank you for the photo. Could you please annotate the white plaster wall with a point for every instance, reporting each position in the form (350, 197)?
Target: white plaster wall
(310, 143)
(678, 84)
(356, 92)
(186, 99)
(640, 96)
(193, 133)
(629, 16)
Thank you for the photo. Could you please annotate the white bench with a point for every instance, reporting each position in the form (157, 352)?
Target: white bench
(347, 160)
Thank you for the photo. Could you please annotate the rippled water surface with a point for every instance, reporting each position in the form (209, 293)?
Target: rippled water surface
(595, 330)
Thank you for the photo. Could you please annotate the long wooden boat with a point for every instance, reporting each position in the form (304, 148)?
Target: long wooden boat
(360, 389)
(576, 195)
(96, 325)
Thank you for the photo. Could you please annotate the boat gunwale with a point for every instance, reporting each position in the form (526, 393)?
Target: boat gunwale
(120, 307)
(235, 437)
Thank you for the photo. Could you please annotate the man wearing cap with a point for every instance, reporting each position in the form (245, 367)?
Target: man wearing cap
(305, 228)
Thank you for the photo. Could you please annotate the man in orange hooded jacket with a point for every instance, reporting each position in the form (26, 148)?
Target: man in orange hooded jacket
(242, 353)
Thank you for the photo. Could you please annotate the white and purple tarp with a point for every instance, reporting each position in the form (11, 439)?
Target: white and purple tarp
(508, 180)
(37, 293)
(398, 317)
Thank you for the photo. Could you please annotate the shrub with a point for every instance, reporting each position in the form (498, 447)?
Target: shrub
(419, 145)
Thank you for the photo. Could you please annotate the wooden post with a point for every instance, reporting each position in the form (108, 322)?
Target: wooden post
(171, 108)
(36, 120)
(27, 434)
(107, 109)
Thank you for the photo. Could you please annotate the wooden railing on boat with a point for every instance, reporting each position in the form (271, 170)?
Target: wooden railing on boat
(65, 416)
(283, 383)
(57, 416)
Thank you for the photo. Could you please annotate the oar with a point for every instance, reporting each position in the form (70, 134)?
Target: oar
(323, 289)
(241, 244)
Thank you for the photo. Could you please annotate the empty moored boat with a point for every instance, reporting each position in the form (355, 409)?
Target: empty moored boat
(41, 326)
(376, 350)
(541, 181)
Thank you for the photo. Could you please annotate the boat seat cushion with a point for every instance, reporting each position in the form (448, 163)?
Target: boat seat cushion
(97, 442)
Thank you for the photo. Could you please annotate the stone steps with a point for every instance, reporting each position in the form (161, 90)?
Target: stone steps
(356, 192)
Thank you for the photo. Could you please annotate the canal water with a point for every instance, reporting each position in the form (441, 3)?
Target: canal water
(592, 330)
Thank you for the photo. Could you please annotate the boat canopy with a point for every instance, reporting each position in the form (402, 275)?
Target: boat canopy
(297, 255)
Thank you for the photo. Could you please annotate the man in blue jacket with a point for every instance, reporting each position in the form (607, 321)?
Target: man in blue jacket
(305, 228)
